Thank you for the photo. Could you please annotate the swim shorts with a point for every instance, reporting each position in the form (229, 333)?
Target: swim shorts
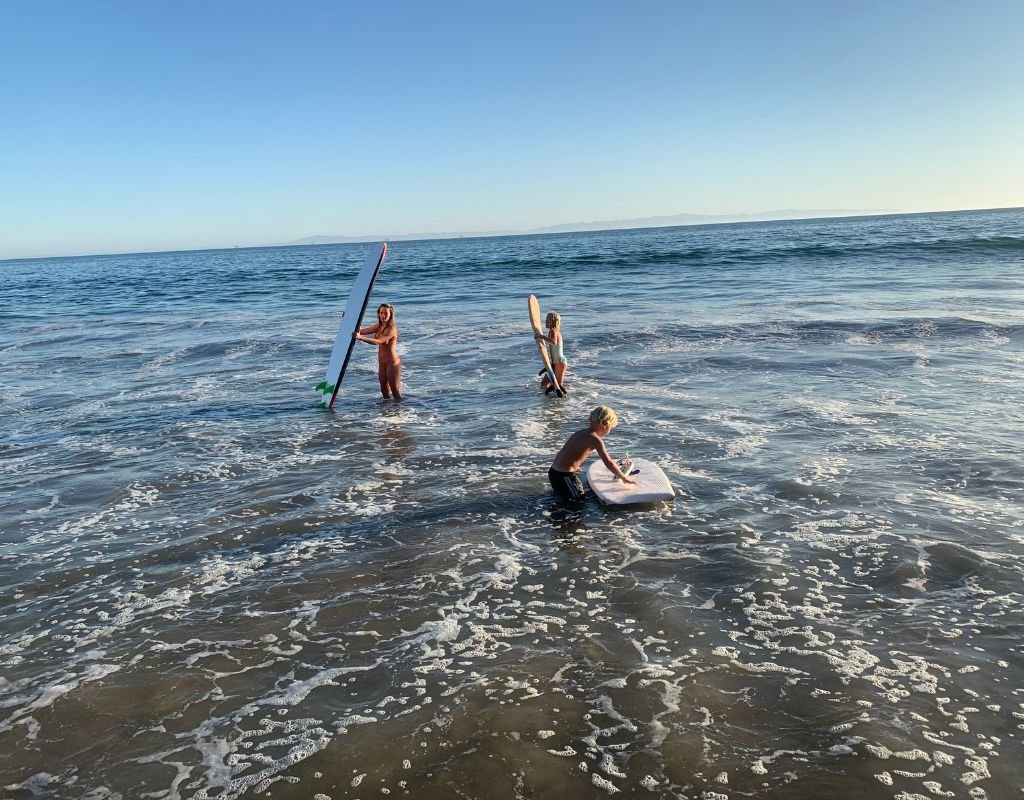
(566, 484)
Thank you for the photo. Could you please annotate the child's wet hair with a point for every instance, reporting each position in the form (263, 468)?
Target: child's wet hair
(555, 318)
(604, 414)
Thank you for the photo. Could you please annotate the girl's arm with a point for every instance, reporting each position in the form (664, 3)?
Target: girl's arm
(384, 338)
(554, 336)
(360, 334)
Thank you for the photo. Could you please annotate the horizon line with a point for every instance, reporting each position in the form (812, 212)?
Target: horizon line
(543, 231)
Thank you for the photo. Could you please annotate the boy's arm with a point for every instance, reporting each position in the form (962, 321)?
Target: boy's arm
(607, 459)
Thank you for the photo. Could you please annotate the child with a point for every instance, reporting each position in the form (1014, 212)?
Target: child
(554, 339)
(564, 473)
(389, 366)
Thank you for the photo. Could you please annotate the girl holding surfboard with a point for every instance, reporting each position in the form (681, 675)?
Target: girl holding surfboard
(559, 364)
(385, 335)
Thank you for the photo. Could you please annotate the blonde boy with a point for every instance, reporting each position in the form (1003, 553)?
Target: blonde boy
(565, 469)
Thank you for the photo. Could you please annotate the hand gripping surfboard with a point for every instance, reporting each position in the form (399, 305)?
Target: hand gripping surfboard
(652, 485)
(535, 324)
(351, 317)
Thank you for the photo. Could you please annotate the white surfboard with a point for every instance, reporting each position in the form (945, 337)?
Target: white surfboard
(351, 318)
(652, 485)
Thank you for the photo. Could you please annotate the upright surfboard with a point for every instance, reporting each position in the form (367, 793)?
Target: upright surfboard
(652, 485)
(351, 317)
(535, 324)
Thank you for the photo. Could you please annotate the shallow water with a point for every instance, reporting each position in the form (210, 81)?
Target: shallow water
(212, 589)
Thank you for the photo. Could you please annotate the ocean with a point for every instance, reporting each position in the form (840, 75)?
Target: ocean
(212, 589)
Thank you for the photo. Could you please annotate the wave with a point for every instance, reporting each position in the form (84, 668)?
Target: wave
(960, 247)
(906, 328)
(658, 256)
(902, 250)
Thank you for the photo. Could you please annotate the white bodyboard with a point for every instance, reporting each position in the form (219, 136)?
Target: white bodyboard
(652, 485)
(351, 318)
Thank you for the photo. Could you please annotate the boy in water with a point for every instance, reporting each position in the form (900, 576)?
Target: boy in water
(565, 469)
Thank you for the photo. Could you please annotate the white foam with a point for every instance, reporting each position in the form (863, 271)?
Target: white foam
(50, 694)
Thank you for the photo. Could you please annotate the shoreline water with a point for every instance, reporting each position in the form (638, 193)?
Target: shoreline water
(212, 589)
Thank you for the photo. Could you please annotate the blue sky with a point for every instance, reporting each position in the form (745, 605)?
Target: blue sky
(133, 126)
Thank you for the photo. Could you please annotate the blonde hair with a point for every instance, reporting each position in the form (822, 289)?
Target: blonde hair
(556, 317)
(602, 415)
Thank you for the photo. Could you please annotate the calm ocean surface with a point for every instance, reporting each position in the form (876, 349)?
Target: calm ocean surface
(211, 589)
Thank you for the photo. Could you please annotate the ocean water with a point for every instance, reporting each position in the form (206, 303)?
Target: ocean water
(211, 589)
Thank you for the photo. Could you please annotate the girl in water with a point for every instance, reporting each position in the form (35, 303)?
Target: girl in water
(559, 365)
(385, 335)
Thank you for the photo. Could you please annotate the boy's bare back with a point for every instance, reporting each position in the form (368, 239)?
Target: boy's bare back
(575, 451)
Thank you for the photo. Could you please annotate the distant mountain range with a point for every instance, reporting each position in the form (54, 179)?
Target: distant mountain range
(613, 224)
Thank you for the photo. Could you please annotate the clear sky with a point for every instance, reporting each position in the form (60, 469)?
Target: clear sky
(133, 126)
